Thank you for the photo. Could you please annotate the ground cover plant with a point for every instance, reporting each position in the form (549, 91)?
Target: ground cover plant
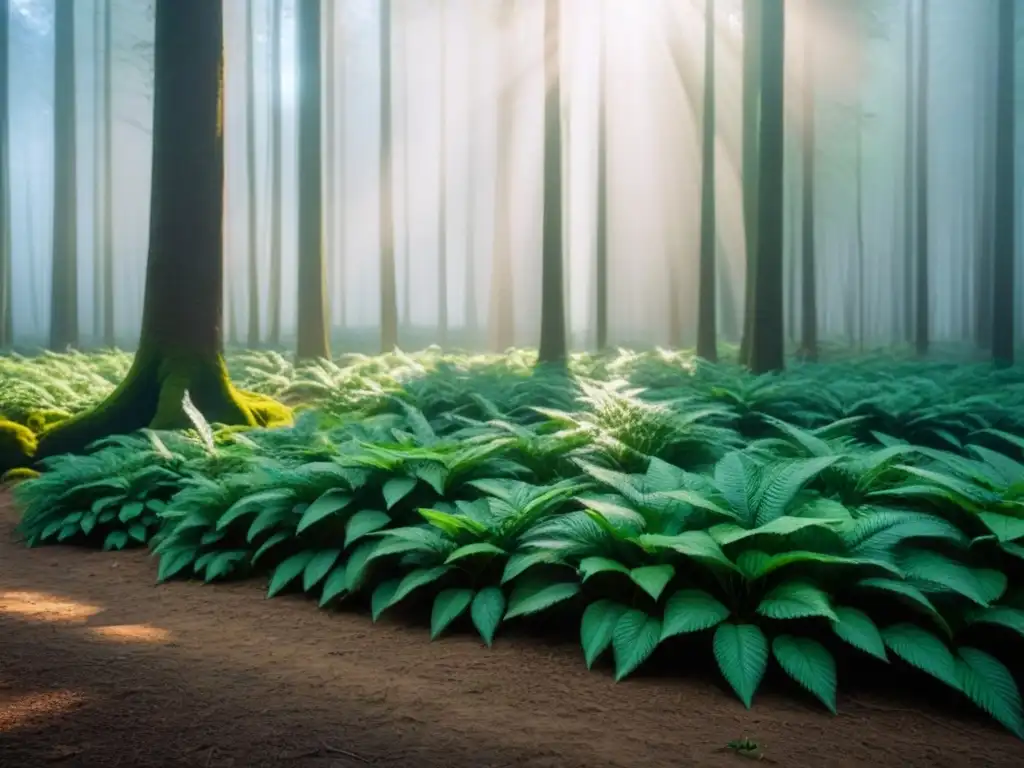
(868, 508)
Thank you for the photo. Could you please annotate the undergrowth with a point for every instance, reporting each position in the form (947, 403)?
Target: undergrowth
(866, 508)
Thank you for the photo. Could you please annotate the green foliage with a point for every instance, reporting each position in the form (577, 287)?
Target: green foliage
(795, 520)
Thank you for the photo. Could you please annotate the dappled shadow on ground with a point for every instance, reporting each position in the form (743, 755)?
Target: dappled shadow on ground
(100, 667)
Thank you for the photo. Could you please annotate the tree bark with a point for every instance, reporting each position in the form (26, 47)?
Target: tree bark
(601, 246)
(767, 340)
(707, 332)
(752, 22)
(6, 292)
(274, 288)
(442, 206)
(808, 277)
(388, 288)
(109, 297)
(253, 330)
(1003, 309)
(180, 346)
(64, 275)
(312, 298)
(922, 315)
(553, 345)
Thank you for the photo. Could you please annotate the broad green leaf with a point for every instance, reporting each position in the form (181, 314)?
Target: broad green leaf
(923, 650)
(453, 525)
(363, 522)
(990, 685)
(52, 529)
(288, 571)
(634, 639)
(597, 628)
(275, 498)
(130, 511)
(487, 610)
(591, 566)
(727, 533)
(174, 561)
(1006, 528)
(331, 502)
(991, 583)
(101, 504)
(521, 562)
(691, 610)
(448, 606)
(416, 579)
(653, 579)
(138, 532)
(396, 489)
(532, 598)
(115, 540)
(266, 519)
(318, 566)
(809, 663)
(697, 545)
(273, 541)
(857, 629)
(1003, 616)
(771, 563)
(211, 537)
(910, 595)
(382, 597)
(68, 531)
(89, 522)
(741, 651)
(796, 600)
(356, 565)
(935, 568)
(471, 550)
(334, 585)
(224, 563)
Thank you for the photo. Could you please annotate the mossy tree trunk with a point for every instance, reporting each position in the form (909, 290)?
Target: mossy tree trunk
(274, 289)
(767, 335)
(180, 346)
(707, 331)
(64, 274)
(388, 287)
(808, 276)
(6, 293)
(553, 345)
(752, 21)
(1003, 309)
(312, 298)
(253, 326)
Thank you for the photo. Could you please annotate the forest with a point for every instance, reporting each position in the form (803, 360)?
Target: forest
(589, 382)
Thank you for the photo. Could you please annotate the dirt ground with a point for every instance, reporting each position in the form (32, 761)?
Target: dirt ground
(99, 667)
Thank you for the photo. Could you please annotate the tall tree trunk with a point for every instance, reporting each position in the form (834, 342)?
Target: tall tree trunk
(388, 288)
(274, 289)
(767, 341)
(180, 345)
(442, 206)
(553, 344)
(64, 277)
(707, 332)
(908, 179)
(469, 285)
(922, 316)
(109, 297)
(502, 293)
(97, 173)
(1003, 309)
(601, 246)
(312, 298)
(808, 276)
(859, 213)
(753, 12)
(253, 334)
(6, 292)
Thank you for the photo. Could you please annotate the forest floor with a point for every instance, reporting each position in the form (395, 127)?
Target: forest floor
(99, 667)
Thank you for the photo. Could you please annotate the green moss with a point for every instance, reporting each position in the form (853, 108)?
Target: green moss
(17, 475)
(17, 446)
(151, 396)
(39, 421)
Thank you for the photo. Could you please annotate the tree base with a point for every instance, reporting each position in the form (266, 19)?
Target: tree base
(151, 396)
(17, 445)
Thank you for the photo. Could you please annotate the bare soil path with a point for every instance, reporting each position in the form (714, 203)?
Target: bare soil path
(99, 667)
